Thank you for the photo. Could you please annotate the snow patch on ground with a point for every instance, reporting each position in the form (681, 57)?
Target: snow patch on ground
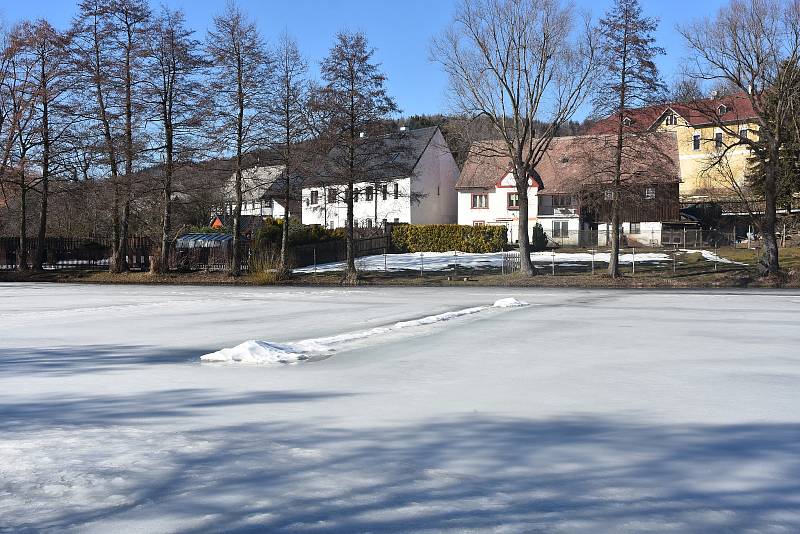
(268, 352)
(447, 261)
(711, 256)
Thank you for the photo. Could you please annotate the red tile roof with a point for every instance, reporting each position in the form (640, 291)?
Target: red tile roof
(698, 113)
(572, 162)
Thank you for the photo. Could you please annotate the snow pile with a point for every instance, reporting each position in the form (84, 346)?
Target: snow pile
(258, 352)
(268, 352)
(509, 302)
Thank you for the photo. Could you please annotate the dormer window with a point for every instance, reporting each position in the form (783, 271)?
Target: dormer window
(722, 110)
(626, 121)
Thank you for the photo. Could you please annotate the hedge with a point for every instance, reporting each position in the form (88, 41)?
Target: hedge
(445, 237)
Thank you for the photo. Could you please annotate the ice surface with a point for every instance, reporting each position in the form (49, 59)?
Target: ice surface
(586, 411)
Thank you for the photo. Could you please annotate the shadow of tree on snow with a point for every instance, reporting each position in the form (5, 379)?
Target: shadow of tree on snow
(466, 472)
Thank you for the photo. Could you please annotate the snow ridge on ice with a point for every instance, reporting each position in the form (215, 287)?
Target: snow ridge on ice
(269, 352)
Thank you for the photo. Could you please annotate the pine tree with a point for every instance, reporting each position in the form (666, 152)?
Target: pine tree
(356, 105)
(630, 80)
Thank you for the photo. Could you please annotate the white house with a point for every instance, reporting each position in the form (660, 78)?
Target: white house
(566, 193)
(263, 193)
(416, 184)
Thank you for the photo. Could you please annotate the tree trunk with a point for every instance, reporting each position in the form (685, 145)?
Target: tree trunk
(613, 260)
(769, 264)
(23, 226)
(284, 271)
(41, 249)
(237, 212)
(237, 221)
(121, 256)
(166, 224)
(525, 265)
(350, 274)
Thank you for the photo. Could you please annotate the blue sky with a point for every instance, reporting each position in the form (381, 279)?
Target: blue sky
(400, 30)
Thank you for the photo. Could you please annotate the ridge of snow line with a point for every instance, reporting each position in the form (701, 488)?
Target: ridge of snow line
(269, 352)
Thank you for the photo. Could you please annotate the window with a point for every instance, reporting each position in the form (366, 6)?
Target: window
(330, 225)
(722, 110)
(396, 219)
(744, 133)
(513, 201)
(649, 193)
(609, 195)
(562, 201)
(355, 195)
(480, 201)
(315, 197)
(560, 228)
(478, 223)
(636, 228)
(331, 196)
(437, 190)
(384, 191)
(368, 223)
(672, 119)
(368, 194)
(626, 121)
(718, 140)
(396, 191)
(696, 142)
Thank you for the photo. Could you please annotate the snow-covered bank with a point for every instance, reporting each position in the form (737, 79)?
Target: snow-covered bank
(447, 261)
(268, 352)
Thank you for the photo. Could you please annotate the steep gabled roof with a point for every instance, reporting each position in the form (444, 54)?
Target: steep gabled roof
(704, 112)
(397, 157)
(571, 162)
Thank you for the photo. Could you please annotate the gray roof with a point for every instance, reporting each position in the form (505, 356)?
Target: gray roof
(397, 156)
(261, 182)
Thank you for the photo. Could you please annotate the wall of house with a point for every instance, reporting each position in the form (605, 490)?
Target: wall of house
(497, 212)
(649, 234)
(434, 183)
(698, 183)
(261, 208)
(334, 215)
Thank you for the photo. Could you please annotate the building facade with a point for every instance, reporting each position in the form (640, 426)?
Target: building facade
(420, 191)
(569, 192)
(711, 159)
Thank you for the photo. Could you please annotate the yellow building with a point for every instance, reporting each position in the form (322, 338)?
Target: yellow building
(712, 161)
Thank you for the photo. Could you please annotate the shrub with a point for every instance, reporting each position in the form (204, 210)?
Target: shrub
(271, 233)
(538, 238)
(444, 237)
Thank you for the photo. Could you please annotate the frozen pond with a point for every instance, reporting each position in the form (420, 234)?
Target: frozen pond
(586, 411)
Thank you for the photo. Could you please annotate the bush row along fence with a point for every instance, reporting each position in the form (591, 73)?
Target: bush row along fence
(95, 254)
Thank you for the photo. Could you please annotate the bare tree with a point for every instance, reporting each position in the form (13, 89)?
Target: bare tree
(241, 73)
(46, 51)
(288, 107)
(131, 20)
(630, 79)
(20, 95)
(93, 55)
(356, 106)
(175, 91)
(518, 63)
(744, 46)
